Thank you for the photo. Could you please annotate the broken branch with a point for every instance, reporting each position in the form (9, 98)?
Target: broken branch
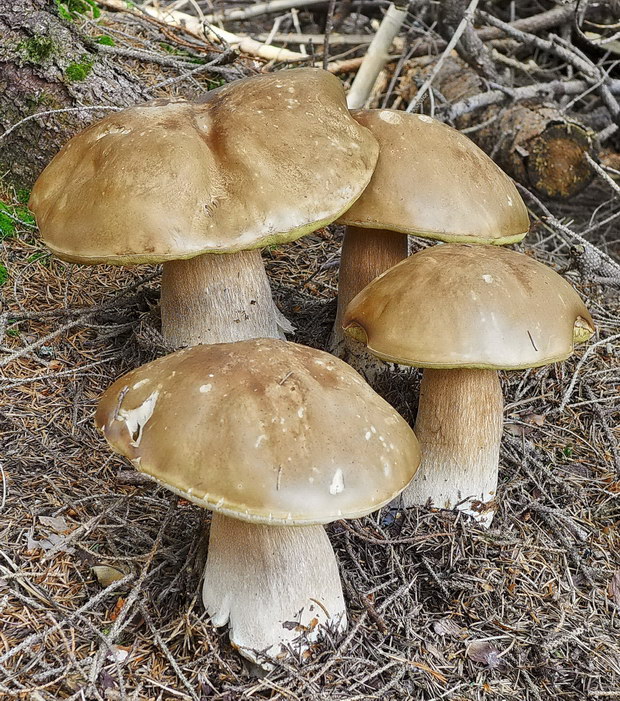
(376, 56)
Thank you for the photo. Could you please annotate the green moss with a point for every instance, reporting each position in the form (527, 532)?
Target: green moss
(105, 40)
(79, 70)
(170, 49)
(10, 219)
(70, 9)
(37, 49)
(4, 274)
(43, 256)
(23, 195)
(7, 225)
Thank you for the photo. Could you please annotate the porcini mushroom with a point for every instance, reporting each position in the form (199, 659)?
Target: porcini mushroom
(430, 181)
(462, 313)
(276, 439)
(260, 161)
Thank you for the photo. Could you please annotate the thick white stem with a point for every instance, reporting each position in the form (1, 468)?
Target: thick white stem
(459, 426)
(217, 299)
(277, 587)
(366, 253)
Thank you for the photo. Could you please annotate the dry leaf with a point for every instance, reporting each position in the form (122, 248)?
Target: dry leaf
(120, 602)
(53, 541)
(56, 523)
(106, 680)
(483, 652)
(613, 588)
(107, 575)
(536, 419)
(446, 626)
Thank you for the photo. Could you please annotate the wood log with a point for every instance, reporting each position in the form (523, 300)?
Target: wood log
(533, 142)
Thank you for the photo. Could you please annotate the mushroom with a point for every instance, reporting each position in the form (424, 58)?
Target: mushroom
(462, 313)
(259, 162)
(430, 181)
(276, 439)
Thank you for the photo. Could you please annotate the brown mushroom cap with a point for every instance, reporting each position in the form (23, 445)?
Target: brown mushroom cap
(262, 430)
(261, 161)
(432, 181)
(458, 306)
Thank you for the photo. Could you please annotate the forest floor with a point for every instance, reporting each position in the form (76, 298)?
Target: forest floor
(439, 608)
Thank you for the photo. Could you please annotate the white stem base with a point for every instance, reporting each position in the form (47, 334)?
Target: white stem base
(277, 587)
(459, 426)
(217, 299)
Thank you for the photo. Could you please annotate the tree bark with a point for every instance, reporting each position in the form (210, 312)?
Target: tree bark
(46, 64)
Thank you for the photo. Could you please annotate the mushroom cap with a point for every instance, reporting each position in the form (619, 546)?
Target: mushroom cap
(459, 306)
(433, 181)
(261, 430)
(260, 161)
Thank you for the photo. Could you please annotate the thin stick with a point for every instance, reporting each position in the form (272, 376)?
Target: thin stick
(467, 16)
(571, 387)
(601, 173)
(554, 88)
(244, 45)
(329, 25)
(335, 38)
(64, 109)
(261, 8)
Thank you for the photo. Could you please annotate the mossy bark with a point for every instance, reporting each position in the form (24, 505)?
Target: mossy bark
(40, 54)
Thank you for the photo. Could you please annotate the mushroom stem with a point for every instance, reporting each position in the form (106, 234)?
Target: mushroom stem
(366, 253)
(217, 298)
(459, 426)
(275, 586)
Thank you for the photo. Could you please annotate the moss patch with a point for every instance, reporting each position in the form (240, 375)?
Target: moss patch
(10, 219)
(70, 9)
(105, 40)
(37, 49)
(79, 70)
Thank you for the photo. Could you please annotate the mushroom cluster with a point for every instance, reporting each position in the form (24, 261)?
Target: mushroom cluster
(458, 310)
(274, 438)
